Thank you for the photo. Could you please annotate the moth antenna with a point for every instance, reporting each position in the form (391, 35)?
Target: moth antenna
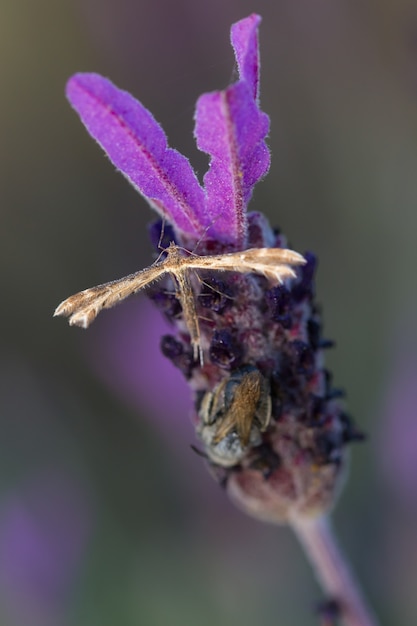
(207, 228)
(161, 236)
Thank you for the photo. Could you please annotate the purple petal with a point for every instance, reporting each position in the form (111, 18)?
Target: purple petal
(137, 146)
(244, 38)
(231, 128)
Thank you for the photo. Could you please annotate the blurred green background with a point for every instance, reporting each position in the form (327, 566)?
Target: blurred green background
(106, 516)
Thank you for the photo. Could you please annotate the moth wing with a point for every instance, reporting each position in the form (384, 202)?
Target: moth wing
(82, 308)
(274, 263)
(272, 256)
(275, 273)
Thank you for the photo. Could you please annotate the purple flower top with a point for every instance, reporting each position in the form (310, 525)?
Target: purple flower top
(229, 127)
(272, 427)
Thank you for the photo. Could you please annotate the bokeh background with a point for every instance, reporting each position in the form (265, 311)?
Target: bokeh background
(106, 515)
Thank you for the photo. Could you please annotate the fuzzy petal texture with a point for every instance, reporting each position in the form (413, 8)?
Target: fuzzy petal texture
(244, 38)
(231, 129)
(137, 146)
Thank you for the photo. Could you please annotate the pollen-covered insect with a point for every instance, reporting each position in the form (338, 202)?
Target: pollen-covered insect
(234, 415)
(273, 263)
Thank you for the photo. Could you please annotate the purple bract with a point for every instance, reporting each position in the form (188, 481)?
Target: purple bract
(229, 127)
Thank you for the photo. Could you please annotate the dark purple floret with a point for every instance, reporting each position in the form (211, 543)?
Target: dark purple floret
(335, 393)
(216, 295)
(286, 382)
(304, 358)
(315, 413)
(305, 286)
(328, 444)
(225, 351)
(265, 461)
(166, 302)
(176, 352)
(171, 347)
(314, 332)
(350, 432)
(329, 612)
(279, 303)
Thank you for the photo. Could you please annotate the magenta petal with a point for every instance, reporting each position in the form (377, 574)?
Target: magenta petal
(244, 38)
(231, 128)
(137, 146)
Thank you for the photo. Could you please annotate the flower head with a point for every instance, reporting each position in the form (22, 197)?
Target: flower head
(270, 422)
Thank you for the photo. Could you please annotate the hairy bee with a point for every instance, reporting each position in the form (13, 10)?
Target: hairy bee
(234, 414)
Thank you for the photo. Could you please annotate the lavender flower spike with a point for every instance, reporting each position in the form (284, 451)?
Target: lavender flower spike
(246, 330)
(137, 146)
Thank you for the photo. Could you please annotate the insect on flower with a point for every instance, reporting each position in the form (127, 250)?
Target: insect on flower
(272, 427)
(263, 392)
(234, 415)
(273, 263)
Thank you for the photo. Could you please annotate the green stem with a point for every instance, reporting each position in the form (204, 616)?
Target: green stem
(332, 571)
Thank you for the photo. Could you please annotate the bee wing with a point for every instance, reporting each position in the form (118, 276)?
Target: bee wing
(242, 411)
(82, 308)
(246, 403)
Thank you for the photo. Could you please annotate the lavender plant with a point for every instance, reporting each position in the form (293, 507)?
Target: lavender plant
(271, 426)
